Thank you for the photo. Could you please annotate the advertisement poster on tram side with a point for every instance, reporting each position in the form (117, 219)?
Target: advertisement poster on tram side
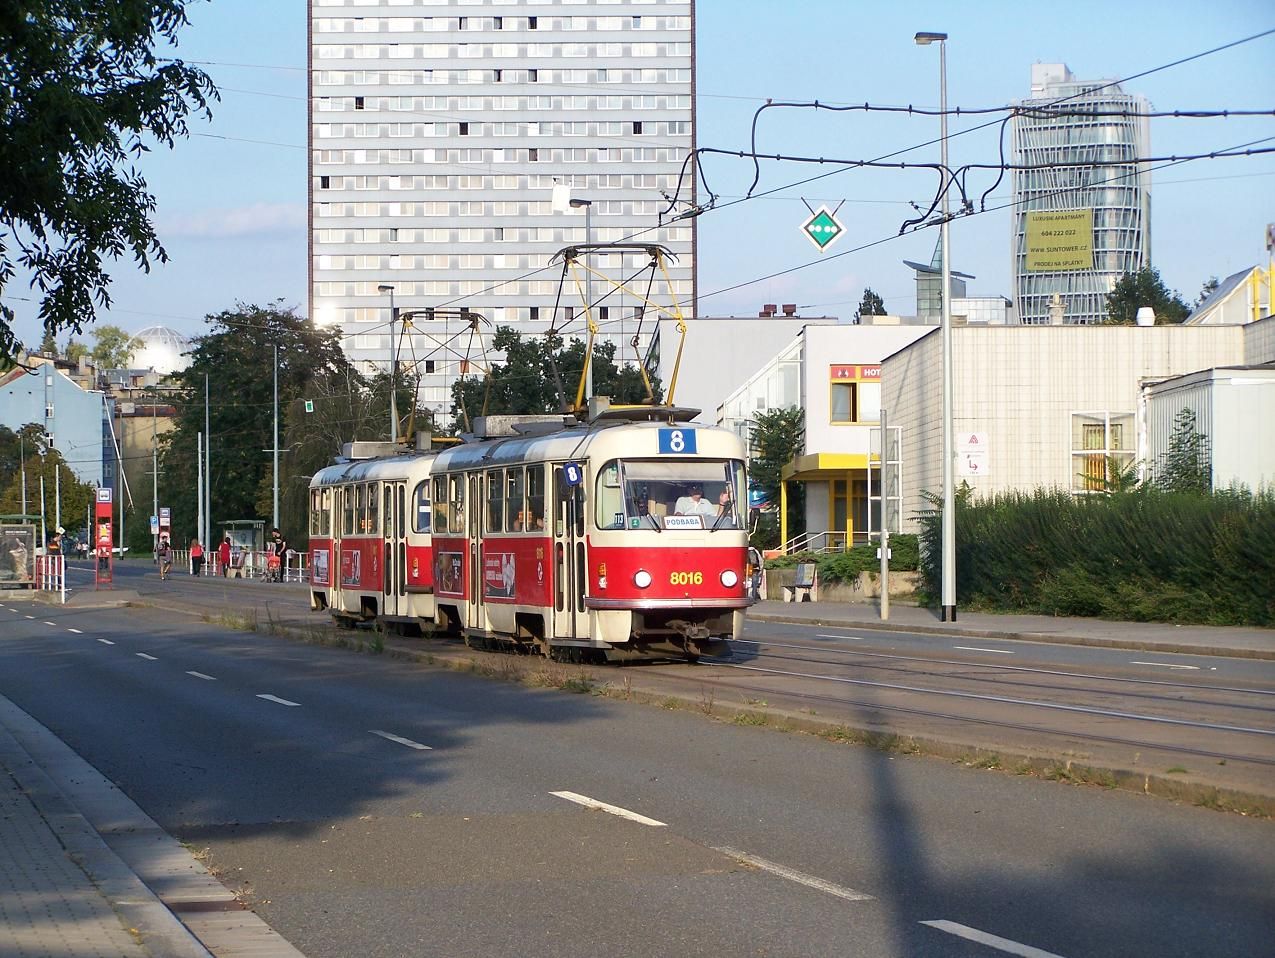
(449, 572)
(351, 567)
(499, 573)
(319, 567)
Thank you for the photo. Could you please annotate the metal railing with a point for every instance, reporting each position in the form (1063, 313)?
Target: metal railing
(50, 574)
(250, 564)
(830, 540)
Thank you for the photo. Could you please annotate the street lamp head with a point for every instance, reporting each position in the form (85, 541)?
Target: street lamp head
(579, 203)
(384, 289)
(925, 39)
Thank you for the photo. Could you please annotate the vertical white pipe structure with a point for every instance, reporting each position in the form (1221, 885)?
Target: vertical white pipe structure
(588, 293)
(22, 454)
(199, 489)
(57, 496)
(207, 467)
(386, 288)
(948, 519)
(275, 523)
(44, 537)
(155, 471)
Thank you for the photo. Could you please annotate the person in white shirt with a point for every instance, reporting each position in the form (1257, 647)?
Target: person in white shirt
(694, 504)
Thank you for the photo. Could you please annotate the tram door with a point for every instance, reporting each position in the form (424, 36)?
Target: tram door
(475, 503)
(394, 548)
(336, 600)
(569, 619)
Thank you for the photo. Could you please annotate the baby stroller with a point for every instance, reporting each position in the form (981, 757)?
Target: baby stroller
(274, 568)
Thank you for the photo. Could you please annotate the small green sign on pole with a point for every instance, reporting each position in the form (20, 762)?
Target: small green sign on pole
(823, 228)
(309, 405)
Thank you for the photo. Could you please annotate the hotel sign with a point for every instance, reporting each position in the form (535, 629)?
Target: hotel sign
(843, 373)
(1059, 240)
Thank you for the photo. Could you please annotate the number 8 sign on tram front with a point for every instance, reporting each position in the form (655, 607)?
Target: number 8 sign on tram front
(677, 441)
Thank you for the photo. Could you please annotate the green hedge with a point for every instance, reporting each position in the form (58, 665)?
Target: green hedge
(1148, 555)
(846, 566)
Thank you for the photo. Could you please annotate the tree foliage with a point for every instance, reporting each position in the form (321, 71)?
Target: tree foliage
(1144, 288)
(524, 383)
(113, 348)
(778, 436)
(237, 355)
(27, 448)
(870, 305)
(82, 94)
(1186, 466)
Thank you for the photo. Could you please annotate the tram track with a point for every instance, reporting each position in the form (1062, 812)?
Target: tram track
(805, 697)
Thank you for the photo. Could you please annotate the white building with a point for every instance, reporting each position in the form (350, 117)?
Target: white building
(1046, 407)
(1234, 410)
(722, 353)
(1066, 129)
(834, 374)
(438, 131)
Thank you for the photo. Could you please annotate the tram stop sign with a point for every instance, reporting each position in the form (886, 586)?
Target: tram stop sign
(823, 228)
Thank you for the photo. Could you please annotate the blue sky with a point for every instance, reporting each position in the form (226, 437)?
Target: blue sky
(232, 197)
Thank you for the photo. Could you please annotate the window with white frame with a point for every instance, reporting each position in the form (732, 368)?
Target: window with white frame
(1102, 450)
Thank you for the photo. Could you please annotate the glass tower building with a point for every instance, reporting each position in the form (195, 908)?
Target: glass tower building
(1067, 126)
(438, 132)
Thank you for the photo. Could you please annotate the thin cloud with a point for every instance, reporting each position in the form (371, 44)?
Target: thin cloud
(256, 220)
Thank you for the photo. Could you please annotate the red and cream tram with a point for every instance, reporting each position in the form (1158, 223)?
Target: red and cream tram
(610, 540)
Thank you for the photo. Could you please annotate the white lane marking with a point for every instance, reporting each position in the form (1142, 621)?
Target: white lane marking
(992, 941)
(76, 631)
(801, 878)
(106, 641)
(148, 658)
(47, 622)
(852, 638)
(201, 675)
(401, 741)
(1169, 665)
(28, 617)
(593, 803)
(970, 648)
(275, 698)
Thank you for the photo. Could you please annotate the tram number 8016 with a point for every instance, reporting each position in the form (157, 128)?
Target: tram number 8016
(686, 578)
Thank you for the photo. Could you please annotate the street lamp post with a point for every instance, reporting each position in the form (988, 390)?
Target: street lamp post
(949, 493)
(393, 367)
(588, 291)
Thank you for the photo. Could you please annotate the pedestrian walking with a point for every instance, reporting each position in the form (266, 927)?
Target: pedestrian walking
(223, 555)
(165, 555)
(278, 553)
(196, 558)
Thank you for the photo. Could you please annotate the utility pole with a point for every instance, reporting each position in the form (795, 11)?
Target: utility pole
(885, 517)
(275, 523)
(155, 473)
(386, 288)
(22, 453)
(57, 496)
(199, 486)
(588, 294)
(207, 465)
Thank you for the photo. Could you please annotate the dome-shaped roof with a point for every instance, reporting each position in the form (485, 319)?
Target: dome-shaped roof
(160, 348)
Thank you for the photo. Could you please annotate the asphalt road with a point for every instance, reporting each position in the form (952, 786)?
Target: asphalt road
(370, 807)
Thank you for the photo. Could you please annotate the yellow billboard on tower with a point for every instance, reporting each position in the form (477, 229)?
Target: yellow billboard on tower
(1059, 240)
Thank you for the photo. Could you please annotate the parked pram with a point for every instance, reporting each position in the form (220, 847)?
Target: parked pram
(274, 568)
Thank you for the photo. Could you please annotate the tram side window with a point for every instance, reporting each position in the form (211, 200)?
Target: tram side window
(536, 497)
(516, 516)
(314, 512)
(496, 500)
(420, 511)
(388, 511)
(348, 508)
(456, 498)
(371, 522)
(325, 512)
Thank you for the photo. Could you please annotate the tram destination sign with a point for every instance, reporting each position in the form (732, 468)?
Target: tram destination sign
(823, 228)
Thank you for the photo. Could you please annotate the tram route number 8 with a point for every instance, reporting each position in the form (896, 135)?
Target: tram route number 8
(677, 442)
(686, 578)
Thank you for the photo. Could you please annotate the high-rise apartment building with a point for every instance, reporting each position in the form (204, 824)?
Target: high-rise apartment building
(438, 131)
(1077, 226)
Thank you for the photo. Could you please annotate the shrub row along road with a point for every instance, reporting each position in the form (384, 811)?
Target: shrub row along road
(369, 806)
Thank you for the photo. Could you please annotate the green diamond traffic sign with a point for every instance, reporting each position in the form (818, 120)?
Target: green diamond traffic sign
(823, 228)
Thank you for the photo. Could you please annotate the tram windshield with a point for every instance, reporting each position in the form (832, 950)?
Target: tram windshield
(671, 494)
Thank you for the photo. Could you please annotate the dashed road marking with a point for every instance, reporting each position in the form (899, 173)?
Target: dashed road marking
(801, 878)
(852, 638)
(76, 631)
(106, 641)
(201, 675)
(47, 622)
(401, 741)
(1169, 665)
(148, 658)
(992, 941)
(275, 698)
(970, 648)
(594, 804)
(28, 617)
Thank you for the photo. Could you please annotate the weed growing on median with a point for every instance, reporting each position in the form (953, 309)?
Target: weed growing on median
(1175, 770)
(751, 718)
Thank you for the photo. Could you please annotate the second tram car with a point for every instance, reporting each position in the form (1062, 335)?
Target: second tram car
(610, 540)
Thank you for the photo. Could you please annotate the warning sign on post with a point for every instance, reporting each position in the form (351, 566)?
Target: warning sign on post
(1059, 240)
(971, 454)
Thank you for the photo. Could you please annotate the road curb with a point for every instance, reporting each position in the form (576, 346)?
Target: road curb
(1051, 638)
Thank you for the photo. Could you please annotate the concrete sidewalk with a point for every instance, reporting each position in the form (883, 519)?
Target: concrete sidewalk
(1232, 641)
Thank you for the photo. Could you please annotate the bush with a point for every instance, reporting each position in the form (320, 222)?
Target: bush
(846, 566)
(1148, 555)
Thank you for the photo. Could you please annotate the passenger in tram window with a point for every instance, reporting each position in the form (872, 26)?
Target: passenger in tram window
(725, 511)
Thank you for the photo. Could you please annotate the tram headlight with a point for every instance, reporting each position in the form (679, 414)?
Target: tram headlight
(641, 578)
(729, 578)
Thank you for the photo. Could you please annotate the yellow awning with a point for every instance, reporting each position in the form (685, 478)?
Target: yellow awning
(824, 465)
